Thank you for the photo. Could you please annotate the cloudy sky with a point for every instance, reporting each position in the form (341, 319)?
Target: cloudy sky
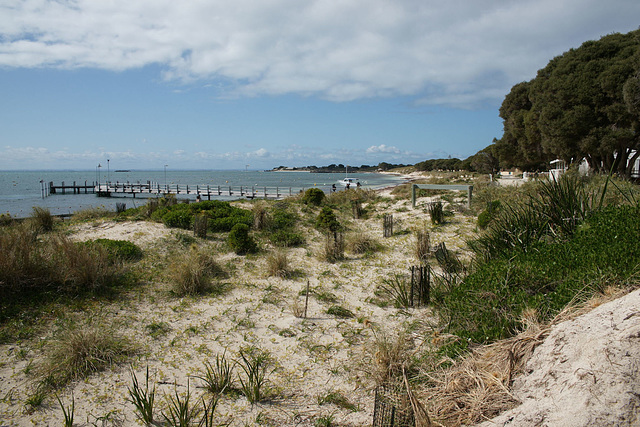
(220, 84)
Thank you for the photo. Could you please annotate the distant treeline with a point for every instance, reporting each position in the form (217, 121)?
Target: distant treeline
(340, 168)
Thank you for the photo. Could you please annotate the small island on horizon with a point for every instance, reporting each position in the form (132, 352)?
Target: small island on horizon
(340, 168)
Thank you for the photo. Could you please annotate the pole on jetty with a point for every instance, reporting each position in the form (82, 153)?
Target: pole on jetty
(165, 176)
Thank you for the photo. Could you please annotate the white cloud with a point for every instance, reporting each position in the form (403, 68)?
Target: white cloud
(375, 149)
(457, 52)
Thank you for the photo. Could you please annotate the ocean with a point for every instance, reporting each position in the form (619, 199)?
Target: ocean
(20, 191)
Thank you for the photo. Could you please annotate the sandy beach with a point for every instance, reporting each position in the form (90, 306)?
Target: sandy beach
(312, 357)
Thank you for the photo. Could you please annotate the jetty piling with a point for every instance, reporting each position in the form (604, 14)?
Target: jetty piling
(130, 189)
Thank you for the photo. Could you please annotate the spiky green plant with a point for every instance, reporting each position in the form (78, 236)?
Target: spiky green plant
(180, 411)
(142, 399)
(255, 365)
(396, 289)
(217, 377)
(68, 412)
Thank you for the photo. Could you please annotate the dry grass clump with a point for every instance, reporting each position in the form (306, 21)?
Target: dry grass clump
(30, 262)
(423, 246)
(193, 274)
(390, 354)
(81, 350)
(476, 388)
(333, 249)
(278, 265)
(81, 267)
(92, 213)
(41, 219)
(361, 243)
(21, 261)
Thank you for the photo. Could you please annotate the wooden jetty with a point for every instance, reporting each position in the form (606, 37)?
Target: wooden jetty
(151, 189)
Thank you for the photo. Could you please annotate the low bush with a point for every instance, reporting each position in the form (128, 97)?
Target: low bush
(313, 196)
(194, 273)
(179, 218)
(280, 227)
(119, 249)
(80, 350)
(487, 304)
(240, 241)
(327, 220)
(221, 216)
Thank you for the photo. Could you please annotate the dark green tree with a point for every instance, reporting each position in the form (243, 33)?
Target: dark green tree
(584, 103)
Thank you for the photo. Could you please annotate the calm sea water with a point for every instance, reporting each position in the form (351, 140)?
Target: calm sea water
(20, 191)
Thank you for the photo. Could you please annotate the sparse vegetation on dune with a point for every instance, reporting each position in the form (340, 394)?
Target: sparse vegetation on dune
(304, 301)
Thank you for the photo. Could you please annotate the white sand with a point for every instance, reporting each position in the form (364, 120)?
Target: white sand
(586, 373)
(313, 356)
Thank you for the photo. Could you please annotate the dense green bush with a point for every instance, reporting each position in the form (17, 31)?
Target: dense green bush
(286, 238)
(313, 196)
(327, 220)
(488, 303)
(120, 249)
(240, 241)
(280, 228)
(487, 215)
(221, 216)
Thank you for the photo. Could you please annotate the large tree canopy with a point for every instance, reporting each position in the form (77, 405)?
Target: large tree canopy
(583, 104)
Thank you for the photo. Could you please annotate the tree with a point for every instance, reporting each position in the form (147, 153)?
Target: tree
(584, 103)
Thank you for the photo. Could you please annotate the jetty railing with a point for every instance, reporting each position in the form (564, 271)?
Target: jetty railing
(149, 188)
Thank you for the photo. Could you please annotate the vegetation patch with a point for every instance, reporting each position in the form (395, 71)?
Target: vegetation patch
(221, 216)
(487, 304)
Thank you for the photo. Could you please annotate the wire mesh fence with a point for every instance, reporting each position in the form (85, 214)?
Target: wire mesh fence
(392, 407)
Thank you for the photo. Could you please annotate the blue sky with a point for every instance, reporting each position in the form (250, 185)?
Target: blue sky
(215, 84)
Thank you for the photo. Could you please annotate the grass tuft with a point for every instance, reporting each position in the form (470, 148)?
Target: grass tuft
(217, 377)
(278, 265)
(80, 351)
(193, 274)
(142, 399)
(255, 365)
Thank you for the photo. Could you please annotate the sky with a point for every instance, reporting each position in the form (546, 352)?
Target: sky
(256, 84)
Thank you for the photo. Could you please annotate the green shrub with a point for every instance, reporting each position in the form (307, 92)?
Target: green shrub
(341, 312)
(487, 304)
(286, 238)
(313, 196)
(221, 216)
(120, 249)
(240, 241)
(177, 219)
(327, 220)
(487, 215)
